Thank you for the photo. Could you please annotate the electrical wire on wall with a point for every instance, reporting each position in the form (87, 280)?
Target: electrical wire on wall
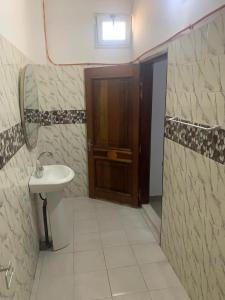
(140, 57)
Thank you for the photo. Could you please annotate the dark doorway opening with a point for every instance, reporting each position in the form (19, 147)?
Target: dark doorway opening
(153, 99)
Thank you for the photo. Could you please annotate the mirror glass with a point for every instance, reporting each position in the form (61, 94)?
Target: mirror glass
(29, 106)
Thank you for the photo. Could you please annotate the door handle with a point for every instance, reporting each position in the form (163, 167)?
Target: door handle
(89, 145)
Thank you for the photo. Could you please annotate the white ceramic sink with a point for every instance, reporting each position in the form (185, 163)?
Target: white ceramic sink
(55, 178)
(53, 181)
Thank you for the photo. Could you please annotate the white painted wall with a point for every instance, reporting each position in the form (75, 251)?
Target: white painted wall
(71, 30)
(155, 21)
(21, 23)
(157, 132)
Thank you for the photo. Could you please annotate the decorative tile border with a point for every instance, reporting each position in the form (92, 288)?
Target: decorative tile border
(208, 143)
(63, 117)
(11, 141)
(47, 118)
(32, 115)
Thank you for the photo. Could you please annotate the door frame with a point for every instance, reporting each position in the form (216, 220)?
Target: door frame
(146, 93)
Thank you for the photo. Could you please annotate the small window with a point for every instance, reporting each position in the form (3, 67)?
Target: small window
(113, 30)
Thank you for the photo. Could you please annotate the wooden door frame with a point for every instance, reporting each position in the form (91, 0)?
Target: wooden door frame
(146, 93)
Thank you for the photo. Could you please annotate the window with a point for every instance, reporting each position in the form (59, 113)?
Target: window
(113, 30)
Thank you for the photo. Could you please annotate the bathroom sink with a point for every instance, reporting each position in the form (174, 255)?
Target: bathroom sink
(53, 181)
(55, 178)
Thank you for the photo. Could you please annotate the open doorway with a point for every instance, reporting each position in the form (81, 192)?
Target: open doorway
(153, 81)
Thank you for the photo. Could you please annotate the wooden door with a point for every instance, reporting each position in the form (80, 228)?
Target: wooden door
(112, 99)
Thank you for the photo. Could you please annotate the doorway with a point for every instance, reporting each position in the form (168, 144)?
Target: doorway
(125, 163)
(154, 83)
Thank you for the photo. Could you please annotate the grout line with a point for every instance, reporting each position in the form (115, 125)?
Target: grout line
(37, 278)
(102, 248)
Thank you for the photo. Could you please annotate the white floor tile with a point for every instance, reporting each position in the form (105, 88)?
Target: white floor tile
(57, 265)
(107, 234)
(136, 296)
(83, 203)
(86, 226)
(105, 212)
(53, 288)
(139, 236)
(126, 280)
(85, 214)
(88, 241)
(126, 211)
(159, 275)
(114, 238)
(119, 256)
(93, 285)
(148, 253)
(170, 294)
(109, 224)
(88, 261)
(105, 204)
(133, 221)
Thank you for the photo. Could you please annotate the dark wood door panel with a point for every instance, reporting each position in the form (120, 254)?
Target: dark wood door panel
(112, 99)
(114, 176)
(112, 111)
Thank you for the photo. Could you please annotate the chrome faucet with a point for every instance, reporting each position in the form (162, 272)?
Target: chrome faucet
(39, 167)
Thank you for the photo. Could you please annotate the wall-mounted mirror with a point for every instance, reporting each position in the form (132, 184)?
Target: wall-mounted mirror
(29, 106)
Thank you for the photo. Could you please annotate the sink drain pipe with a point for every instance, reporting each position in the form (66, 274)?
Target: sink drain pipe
(44, 211)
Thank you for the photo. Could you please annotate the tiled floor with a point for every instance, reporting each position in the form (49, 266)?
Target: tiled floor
(113, 255)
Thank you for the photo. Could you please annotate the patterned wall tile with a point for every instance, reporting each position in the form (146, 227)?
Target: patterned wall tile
(60, 87)
(193, 217)
(193, 211)
(62, 101)
(68, 145)
(18, 230)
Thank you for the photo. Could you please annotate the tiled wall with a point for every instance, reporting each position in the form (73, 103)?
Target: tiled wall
(193, 221)
(18, 231)
(61, 97)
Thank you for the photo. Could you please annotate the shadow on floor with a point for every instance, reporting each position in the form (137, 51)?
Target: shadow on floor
(156, 204)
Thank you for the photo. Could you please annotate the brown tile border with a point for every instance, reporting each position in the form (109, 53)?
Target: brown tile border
(32, 115)
(63, 117)
(208, 143)
(11, 140)
(47, 118)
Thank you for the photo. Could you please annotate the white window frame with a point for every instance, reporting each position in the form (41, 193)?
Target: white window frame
(100, 43)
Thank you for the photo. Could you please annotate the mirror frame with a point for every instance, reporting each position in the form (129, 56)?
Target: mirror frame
(30, 145)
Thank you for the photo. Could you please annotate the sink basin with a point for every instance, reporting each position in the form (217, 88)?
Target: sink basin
(55, 178)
